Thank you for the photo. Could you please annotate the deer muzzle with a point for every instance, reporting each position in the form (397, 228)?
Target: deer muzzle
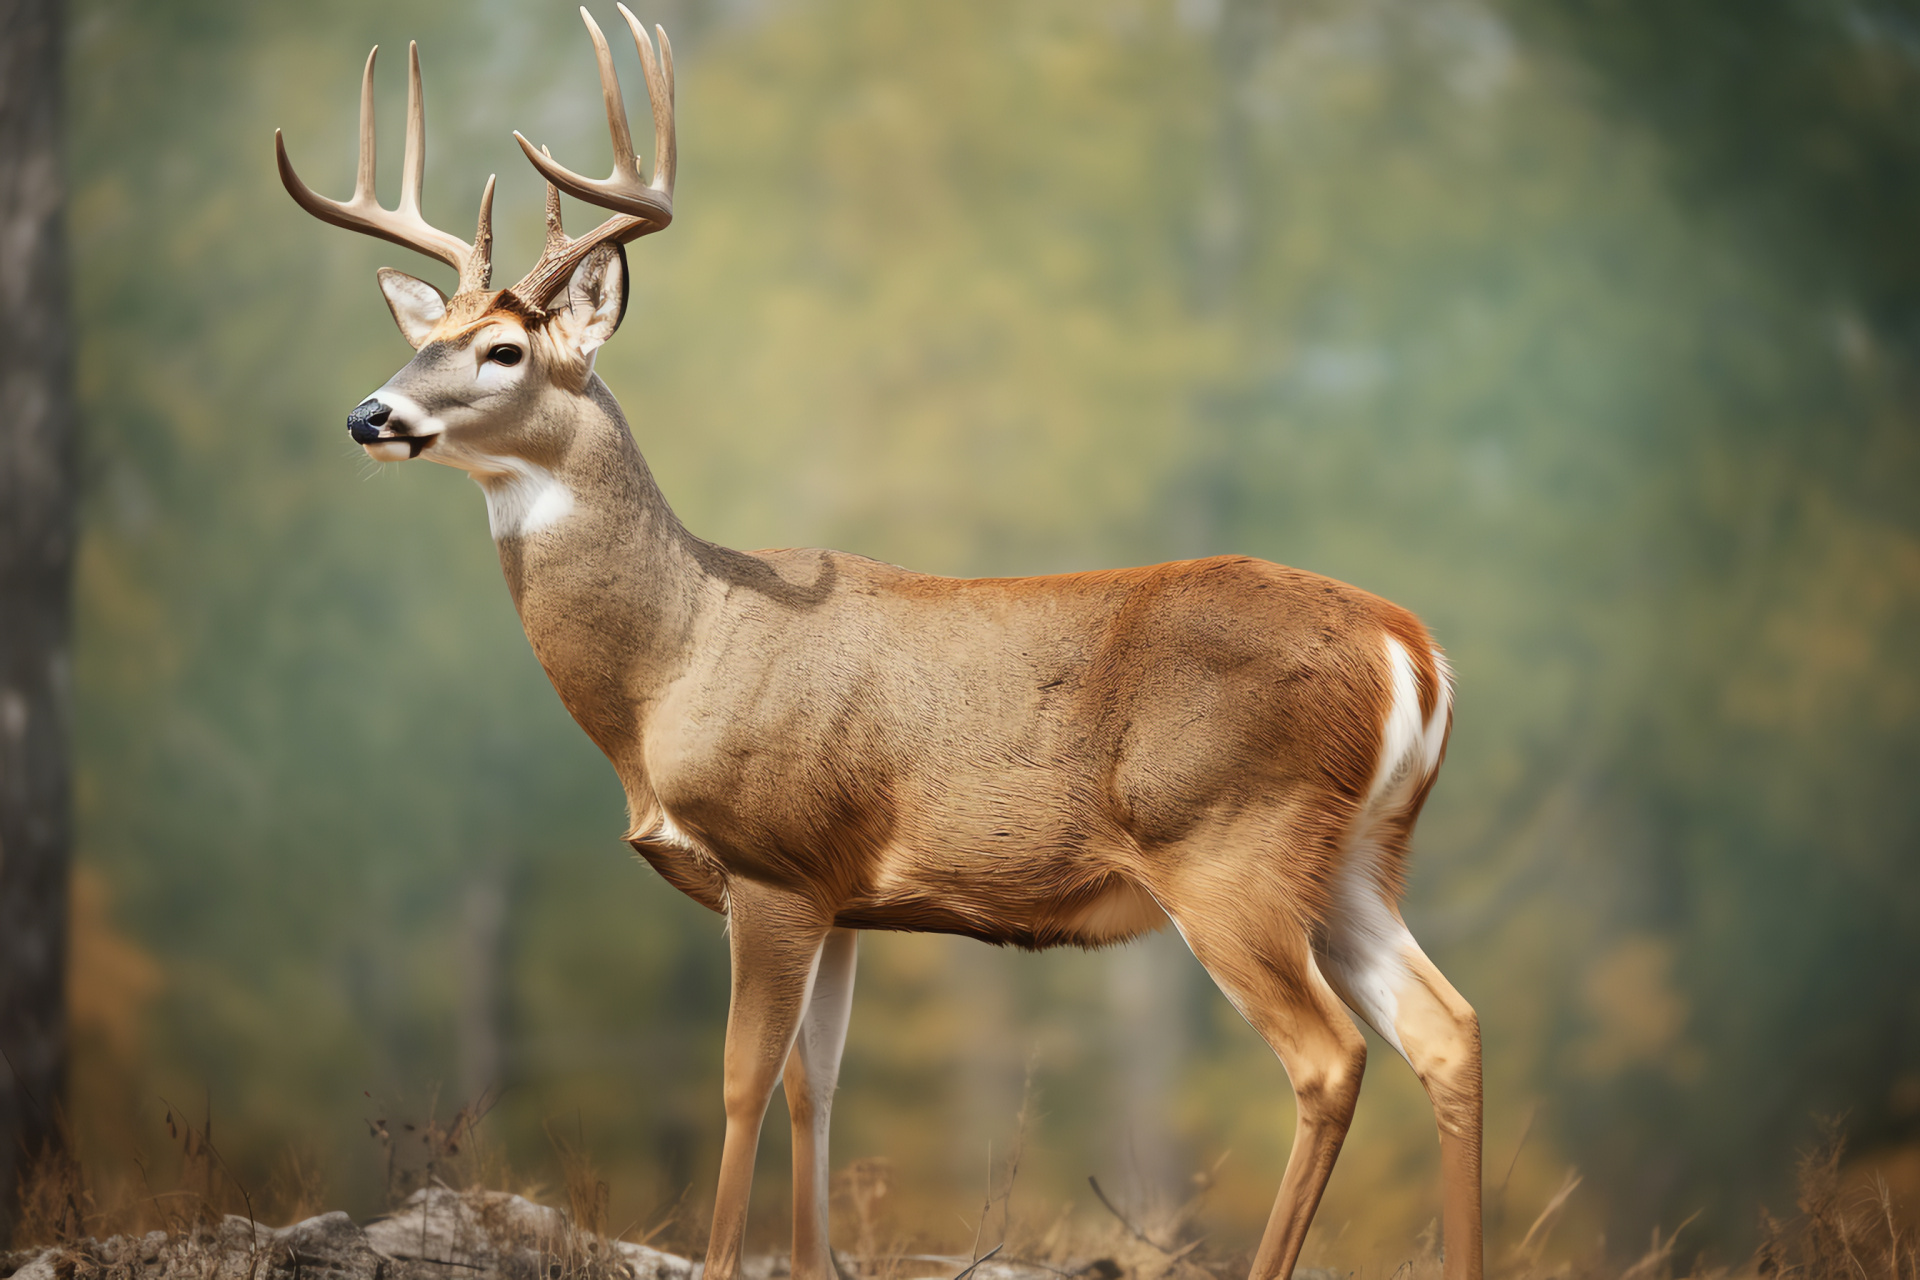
(391, 427)
(366, 420)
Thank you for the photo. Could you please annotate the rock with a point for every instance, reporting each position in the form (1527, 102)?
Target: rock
(436, 1234)
(324, 1247)
(40, 1268)
(494, 1234)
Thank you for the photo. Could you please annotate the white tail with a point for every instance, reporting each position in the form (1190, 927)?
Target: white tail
(816, 743)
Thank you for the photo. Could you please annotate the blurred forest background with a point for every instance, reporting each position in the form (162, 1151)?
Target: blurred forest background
(1590, 331)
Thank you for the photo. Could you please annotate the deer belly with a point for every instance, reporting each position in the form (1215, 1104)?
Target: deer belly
(1123, 910)
(1018, 902)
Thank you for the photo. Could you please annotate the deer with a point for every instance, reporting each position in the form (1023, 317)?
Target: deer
(813, 743)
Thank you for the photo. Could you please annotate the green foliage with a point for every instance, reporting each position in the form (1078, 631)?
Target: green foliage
(1585, 331)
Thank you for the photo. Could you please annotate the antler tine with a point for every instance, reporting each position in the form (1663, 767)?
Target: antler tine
(556, 230)
(403, 225)
(369, 139)
(660, 97)
(666, 55)
(413, 166)
(626, 164)
(477, 274)
(623, 191)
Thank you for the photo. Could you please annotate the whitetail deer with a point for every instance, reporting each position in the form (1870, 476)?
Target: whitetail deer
(815, 743)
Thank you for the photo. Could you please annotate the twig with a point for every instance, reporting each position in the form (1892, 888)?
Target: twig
(986, 1207)
(1526, 1130)
(1184, 1249)
(977, 1261)
(1020, 1125)
(1138, 1234)
(440, 1262)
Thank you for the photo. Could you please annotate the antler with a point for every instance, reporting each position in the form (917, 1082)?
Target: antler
(403, 224)
(640, 207)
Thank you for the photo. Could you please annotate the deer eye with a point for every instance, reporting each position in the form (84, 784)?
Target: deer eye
(506, 353)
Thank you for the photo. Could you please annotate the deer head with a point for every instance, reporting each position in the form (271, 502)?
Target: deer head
(486, 388)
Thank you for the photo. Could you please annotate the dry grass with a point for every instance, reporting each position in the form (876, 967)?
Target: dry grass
(192, 1189)
(1840, 1230)
(1840, 1233)
(60, 1202)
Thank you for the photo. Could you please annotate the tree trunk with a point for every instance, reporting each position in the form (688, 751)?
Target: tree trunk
(37, 475)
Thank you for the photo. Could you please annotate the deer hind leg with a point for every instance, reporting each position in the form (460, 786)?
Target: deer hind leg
(812, 1070)
(1262, 961)
(776, 939)
(1376, 966)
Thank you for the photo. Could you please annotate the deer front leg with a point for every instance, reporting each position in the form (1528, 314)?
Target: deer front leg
(812, 1070)
(776, 940)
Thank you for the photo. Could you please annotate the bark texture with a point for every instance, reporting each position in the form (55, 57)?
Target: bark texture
(37, 480)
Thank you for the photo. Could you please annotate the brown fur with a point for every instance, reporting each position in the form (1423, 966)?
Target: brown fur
(980, 757)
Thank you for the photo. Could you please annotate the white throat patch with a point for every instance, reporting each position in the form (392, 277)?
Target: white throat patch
(522, 498)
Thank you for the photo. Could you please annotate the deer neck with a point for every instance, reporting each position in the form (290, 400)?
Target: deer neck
(604, 576)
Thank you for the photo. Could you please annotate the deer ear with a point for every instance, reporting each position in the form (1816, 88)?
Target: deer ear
(596, 297)
(416, 305)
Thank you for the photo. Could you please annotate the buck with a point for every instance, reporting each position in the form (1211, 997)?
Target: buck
(814, 743)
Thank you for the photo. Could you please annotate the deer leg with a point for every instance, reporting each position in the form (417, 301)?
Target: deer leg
(776, 942)
(1441, 1037)
(1266, 968)
(812, 1069)
(1380, 971)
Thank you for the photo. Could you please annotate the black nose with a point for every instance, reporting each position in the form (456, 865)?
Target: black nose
(364, 423)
